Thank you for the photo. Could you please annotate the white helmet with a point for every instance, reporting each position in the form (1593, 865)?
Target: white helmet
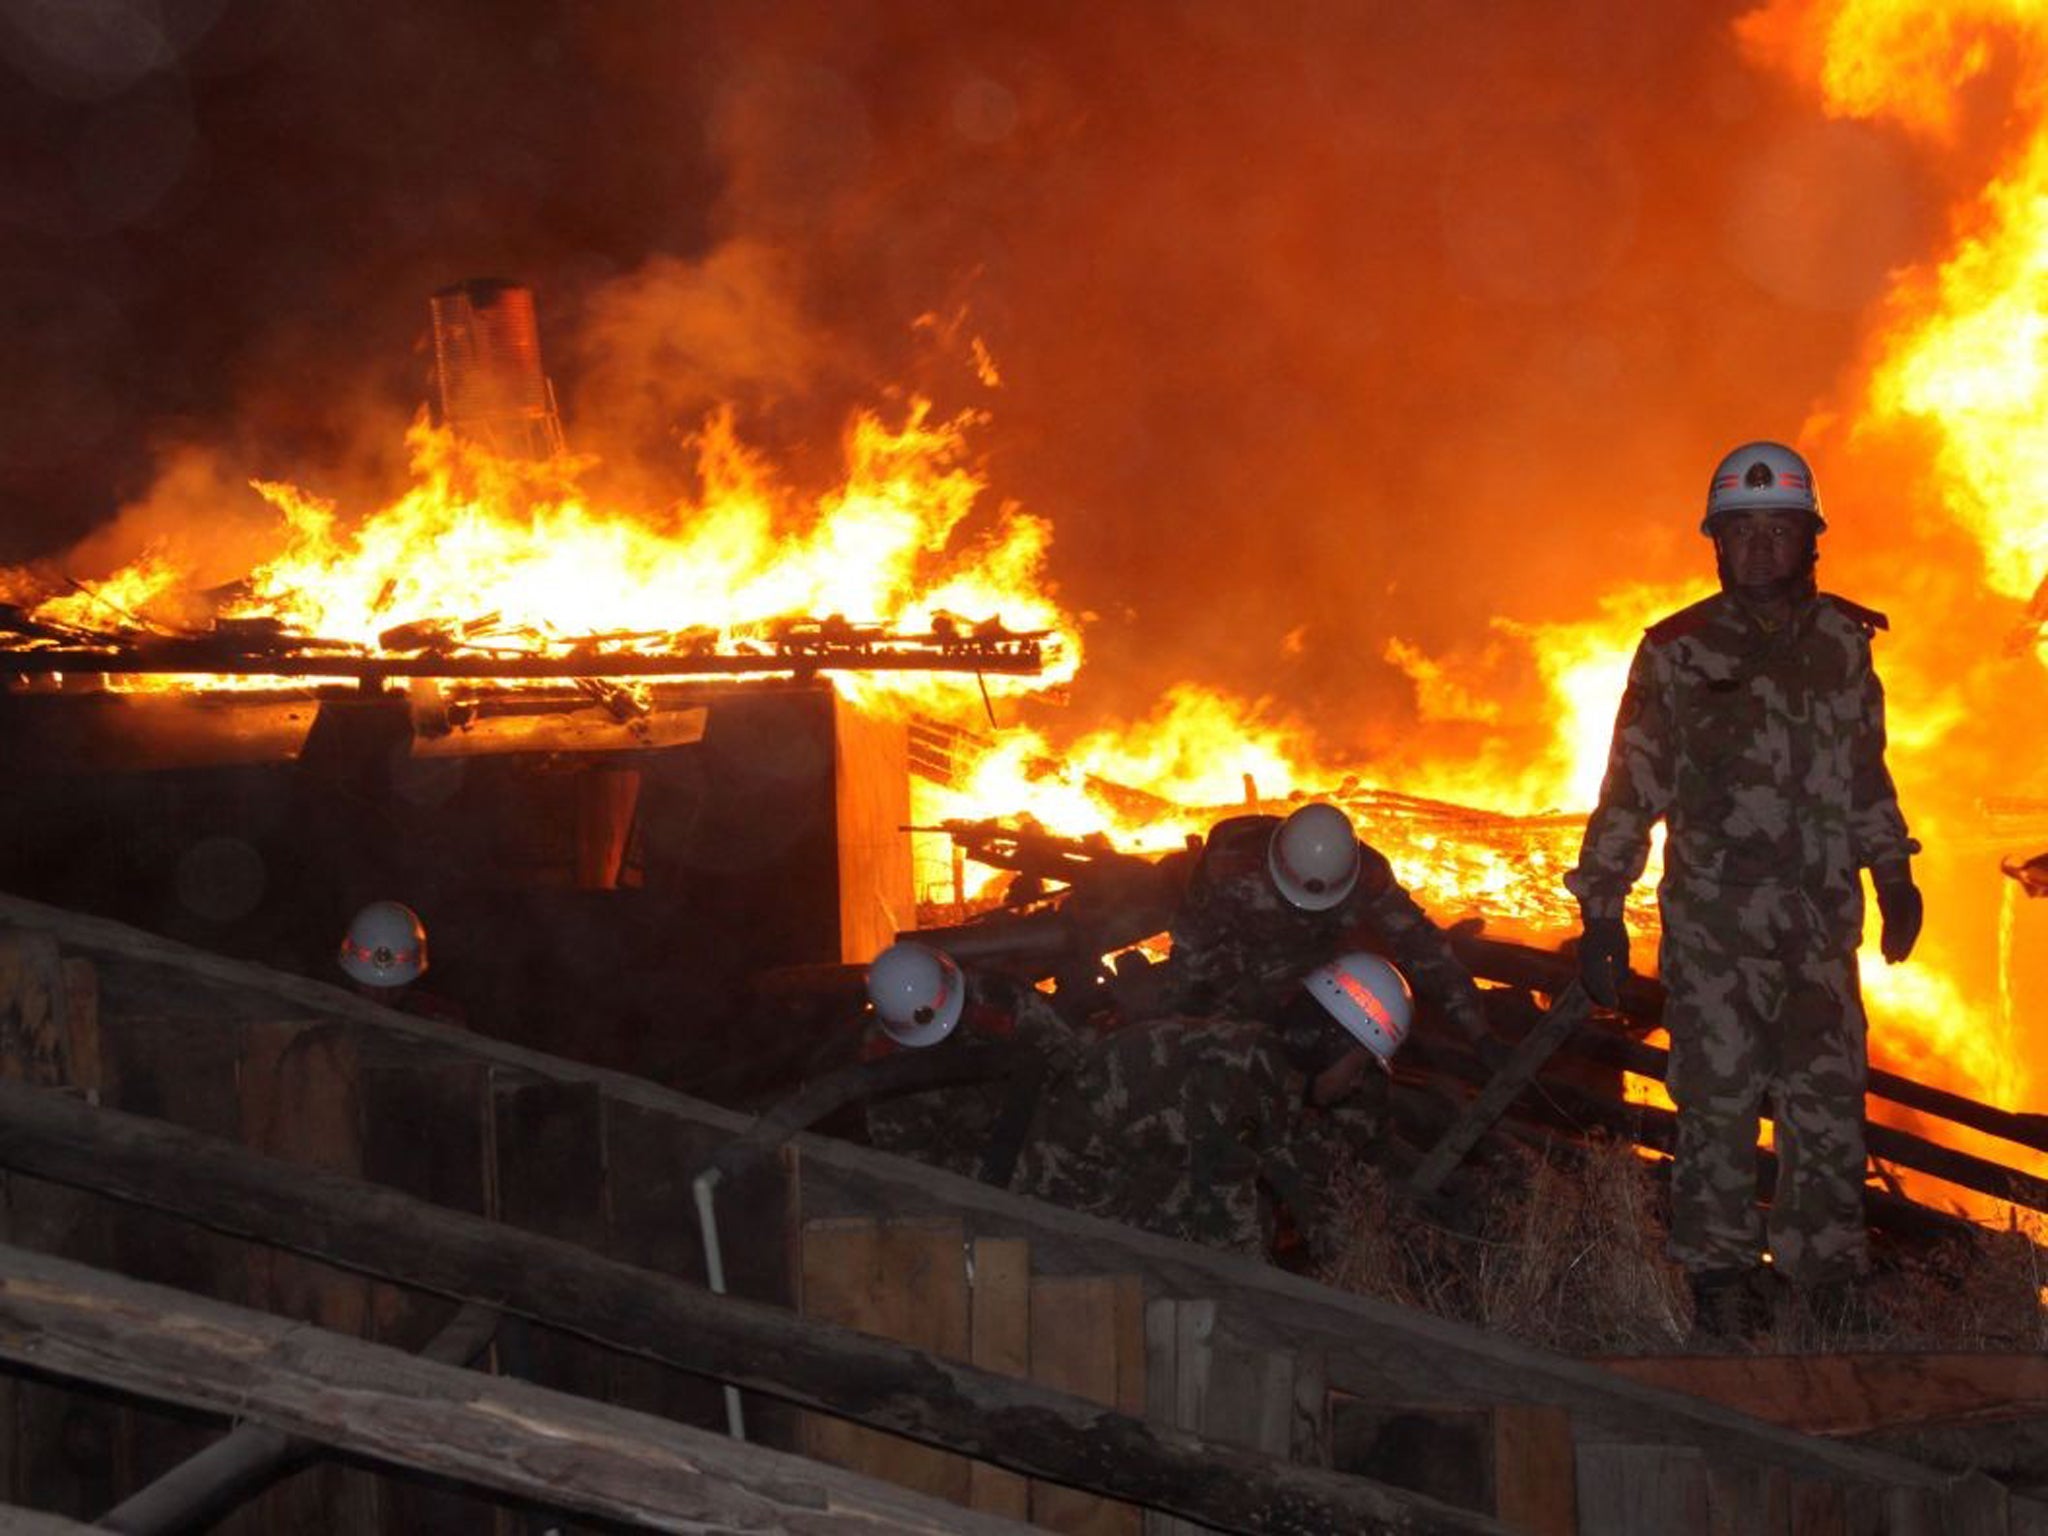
(1314, 857)
(917, 991)
(386, 945)
(1368, 997)
(1762, 477)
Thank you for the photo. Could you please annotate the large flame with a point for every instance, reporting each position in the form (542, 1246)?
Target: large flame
(519, 552)
(513, 553)
(1957, 367)
(1964, 352)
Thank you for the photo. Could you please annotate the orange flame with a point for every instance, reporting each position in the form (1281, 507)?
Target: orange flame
(517, 552)
(1959, 362)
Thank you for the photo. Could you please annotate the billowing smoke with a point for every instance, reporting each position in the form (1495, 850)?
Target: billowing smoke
(1334, 323)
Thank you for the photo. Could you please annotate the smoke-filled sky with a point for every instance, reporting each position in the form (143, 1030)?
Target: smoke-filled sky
(1316, 322)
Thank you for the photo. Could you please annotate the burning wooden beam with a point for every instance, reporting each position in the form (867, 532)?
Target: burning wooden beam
(1013, 656)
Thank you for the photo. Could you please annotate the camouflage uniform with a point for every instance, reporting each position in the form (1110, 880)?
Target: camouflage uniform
(1240, 949)
(1187, 1127)
(1763, 752)
(953, 1127)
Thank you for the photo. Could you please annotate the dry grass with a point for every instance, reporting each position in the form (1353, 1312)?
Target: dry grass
(1980, 1290)
(1566, 1251)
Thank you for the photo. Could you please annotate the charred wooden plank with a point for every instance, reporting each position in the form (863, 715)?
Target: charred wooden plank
(200, 1491)
(1024, 1427)
(377, 1402)
(1571, 1108)
(1965, 1169)
(1857, 1394)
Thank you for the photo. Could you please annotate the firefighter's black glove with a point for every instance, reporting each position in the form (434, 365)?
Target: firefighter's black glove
(1899, 903)
(1603, 959)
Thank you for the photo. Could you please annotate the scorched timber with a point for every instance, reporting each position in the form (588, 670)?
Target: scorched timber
(892, 1386)
(489, 1431)
(1543, 970)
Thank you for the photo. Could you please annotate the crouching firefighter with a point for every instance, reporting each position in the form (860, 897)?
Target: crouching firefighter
(1003, 1044)
(1202, 1129)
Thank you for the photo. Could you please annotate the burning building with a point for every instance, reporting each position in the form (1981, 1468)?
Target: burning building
(609, 831)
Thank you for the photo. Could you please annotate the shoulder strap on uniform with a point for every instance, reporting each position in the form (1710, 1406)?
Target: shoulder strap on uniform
(1856, 613)
(1684, 622)
(1237, 845)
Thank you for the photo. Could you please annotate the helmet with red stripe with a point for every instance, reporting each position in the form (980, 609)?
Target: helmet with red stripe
(1762, 477)
(1366, 995)
(385, 946)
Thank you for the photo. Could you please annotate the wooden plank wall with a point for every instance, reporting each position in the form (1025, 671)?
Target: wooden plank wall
(61, 1447)
(924, 1281)
(398, 1107)
(920, 1281)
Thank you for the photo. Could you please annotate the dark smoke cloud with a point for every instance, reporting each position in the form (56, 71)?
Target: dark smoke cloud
(1329, 320)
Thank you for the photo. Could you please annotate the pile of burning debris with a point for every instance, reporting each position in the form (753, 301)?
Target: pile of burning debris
(1078, 916)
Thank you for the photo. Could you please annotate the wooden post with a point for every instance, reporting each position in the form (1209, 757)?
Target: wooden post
(1087, 1338)
(394, 1408)
(903, 1280)
(1626, 1490)
(999, 1340)
(425, 1131)
(1535, 1490)
(550, 1179)
(58, 1447)
(299, 1105)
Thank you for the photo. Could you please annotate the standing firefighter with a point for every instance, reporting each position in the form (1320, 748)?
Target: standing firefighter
(1753, 726)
